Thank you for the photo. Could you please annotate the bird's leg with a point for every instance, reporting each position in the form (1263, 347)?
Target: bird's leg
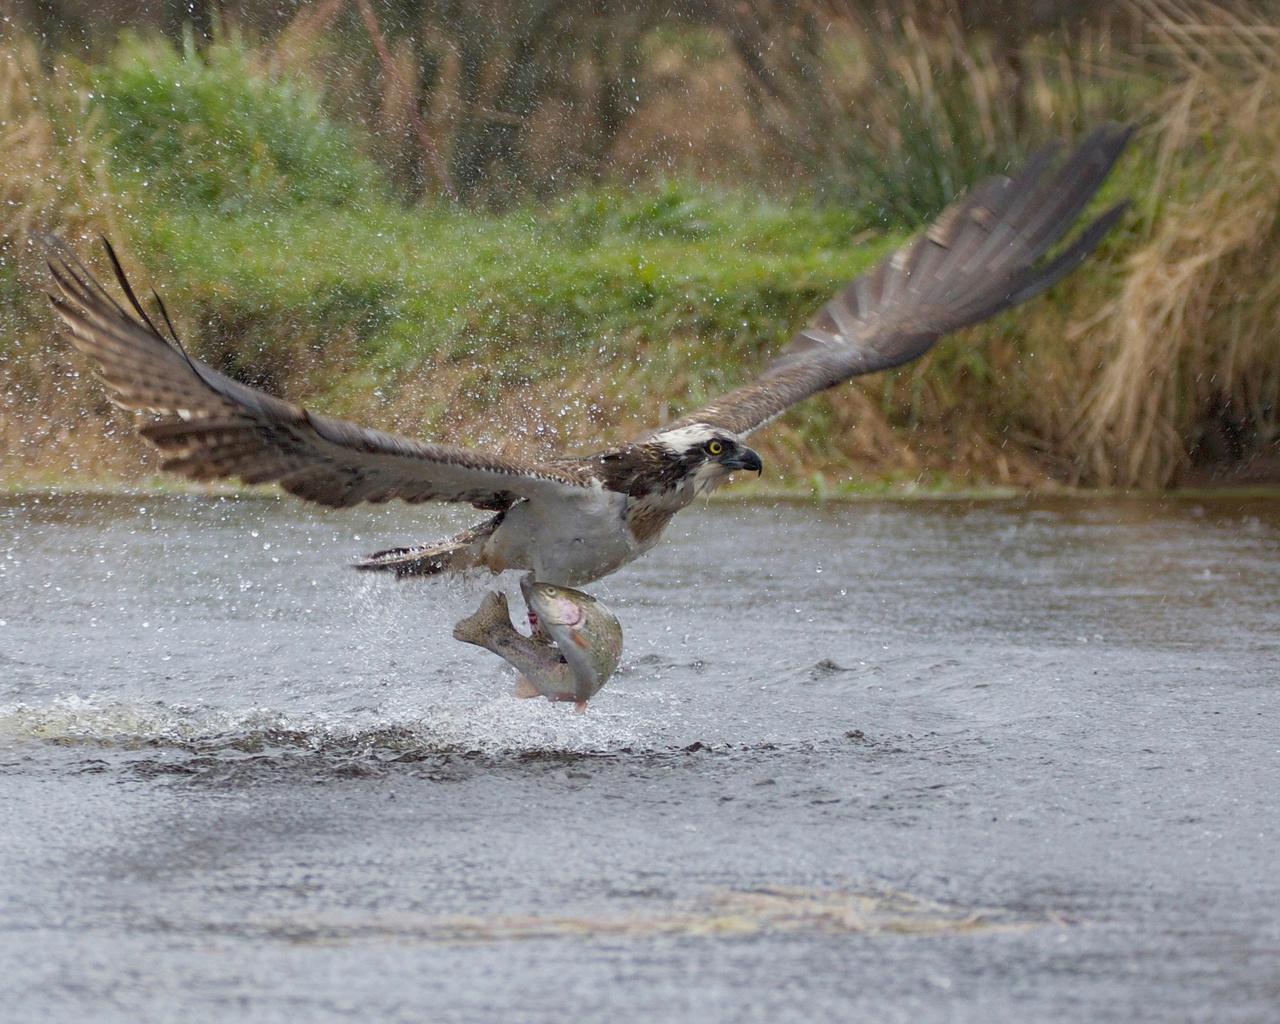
(537, 634)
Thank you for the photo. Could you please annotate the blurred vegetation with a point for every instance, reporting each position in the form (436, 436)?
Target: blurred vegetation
(493, 101)
(280, 193)
(218, 133)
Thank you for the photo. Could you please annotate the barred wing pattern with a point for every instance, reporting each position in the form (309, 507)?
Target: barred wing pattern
(215, 427)
(983, 254)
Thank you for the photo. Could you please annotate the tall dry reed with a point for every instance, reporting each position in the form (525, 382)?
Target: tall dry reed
(52, 175)
(1193, 372)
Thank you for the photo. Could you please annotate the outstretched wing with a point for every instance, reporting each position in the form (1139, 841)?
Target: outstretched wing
(214, 426)
(984, 253)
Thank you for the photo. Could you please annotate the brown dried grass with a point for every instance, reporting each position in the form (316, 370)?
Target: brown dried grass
(51, 414)
(1193, 372)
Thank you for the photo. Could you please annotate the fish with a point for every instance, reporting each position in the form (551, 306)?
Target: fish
(572, 653)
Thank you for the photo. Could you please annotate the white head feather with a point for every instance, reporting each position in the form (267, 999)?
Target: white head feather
(683, 439)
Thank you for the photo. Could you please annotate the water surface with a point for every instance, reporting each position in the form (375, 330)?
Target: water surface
(988, 761)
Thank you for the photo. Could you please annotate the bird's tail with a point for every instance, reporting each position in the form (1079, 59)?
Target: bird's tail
(457, 554)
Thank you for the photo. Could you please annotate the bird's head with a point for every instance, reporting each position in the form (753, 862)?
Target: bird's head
(704, 455)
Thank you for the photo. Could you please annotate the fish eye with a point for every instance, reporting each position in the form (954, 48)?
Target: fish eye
(715, 447)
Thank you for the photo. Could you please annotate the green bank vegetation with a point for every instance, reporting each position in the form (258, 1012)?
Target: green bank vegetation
(289, 258)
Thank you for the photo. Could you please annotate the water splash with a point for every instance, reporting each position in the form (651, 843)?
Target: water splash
(489, 725)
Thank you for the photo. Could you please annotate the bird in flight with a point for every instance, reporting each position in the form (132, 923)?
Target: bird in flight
(569, 521)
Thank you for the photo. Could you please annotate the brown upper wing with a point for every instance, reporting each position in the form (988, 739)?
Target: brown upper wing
(214, 426)
(984, 253)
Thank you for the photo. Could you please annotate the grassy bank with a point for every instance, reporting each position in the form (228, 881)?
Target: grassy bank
(288, 262)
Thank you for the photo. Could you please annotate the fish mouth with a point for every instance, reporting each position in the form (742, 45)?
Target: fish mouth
(551, 608)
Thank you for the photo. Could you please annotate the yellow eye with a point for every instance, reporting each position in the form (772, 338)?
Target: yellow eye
(715, 447)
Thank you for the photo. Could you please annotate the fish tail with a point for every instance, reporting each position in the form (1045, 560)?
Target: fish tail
(491, 616)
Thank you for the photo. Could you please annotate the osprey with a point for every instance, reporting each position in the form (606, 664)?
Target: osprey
(569, 521)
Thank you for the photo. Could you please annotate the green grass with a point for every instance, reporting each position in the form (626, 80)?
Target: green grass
(217, 132)
(339, 299)
(287, 262)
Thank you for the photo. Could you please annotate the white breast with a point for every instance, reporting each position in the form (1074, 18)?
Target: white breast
(568, 539)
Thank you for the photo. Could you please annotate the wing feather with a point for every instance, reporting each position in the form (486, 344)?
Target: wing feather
(984, 254)
(214, 427)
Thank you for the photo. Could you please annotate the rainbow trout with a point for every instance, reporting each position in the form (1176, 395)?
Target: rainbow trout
(584, 645)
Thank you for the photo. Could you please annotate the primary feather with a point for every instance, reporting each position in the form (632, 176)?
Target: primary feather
(982, 255)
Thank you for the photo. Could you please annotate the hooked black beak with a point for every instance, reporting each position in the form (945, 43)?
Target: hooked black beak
(743, 458)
